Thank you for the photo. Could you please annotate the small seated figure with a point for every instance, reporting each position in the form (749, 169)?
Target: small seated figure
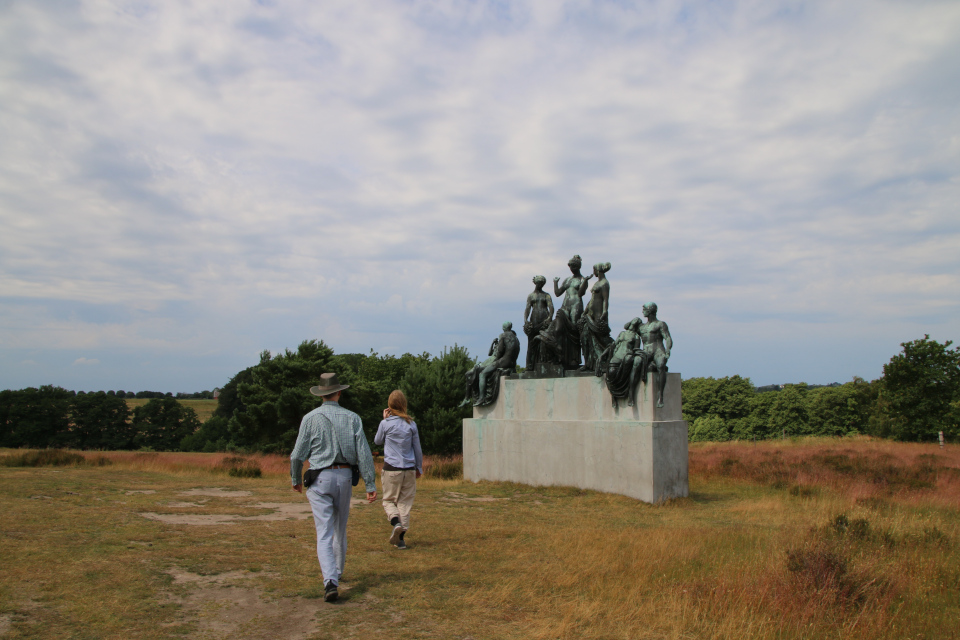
(482, 381)
(622, 361)
(656, 348)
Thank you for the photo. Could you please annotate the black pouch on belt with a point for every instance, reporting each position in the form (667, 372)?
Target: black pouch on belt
(310, 476)
(356, 474)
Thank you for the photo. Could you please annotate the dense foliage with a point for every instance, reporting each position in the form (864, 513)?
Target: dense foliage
(54, 417)
(261, 407)
(731, 409)
(917, 398)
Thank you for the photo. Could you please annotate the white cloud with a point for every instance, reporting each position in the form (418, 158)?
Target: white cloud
(176, 175)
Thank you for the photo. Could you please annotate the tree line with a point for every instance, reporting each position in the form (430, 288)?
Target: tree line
(917, 397)
(54, 417)
(260, 408)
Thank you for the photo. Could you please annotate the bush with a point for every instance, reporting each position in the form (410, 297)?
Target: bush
(43, 458)
(709, 428)
(239, 467)
(445, 469)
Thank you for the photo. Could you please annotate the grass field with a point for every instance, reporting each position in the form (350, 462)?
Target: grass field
(811, 539)
(204, 408)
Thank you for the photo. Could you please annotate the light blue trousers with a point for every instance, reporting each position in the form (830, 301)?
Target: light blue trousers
(330, 500)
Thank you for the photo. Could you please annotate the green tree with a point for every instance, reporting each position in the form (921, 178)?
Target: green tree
(788, 413)
(213, 435)
(759, 421)
(372, 377)
(842, 410)
(34, 417)
(434, 390)
(920, 391)
(162, 424)
(709, 428)
(100, 421)
(277, 396)
(727, 399)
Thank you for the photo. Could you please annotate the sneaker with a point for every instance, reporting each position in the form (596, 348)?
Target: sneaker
(395, 536)
(330, 592)
(401, 544)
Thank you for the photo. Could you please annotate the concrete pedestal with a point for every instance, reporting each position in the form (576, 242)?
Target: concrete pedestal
(565, 431)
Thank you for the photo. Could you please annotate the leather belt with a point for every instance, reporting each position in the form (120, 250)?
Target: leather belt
(337, 466)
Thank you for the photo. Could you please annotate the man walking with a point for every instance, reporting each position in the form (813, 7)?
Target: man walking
(332, 439)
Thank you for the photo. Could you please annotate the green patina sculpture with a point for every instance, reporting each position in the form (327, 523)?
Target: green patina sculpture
(536, 317)
(656, 347)
(482, 382)
(622, 361)
(593, 324)
(560, 342)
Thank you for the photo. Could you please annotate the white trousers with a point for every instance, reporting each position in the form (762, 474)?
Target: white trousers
(329, 499)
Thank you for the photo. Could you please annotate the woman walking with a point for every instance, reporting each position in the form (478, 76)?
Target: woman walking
(402, 464)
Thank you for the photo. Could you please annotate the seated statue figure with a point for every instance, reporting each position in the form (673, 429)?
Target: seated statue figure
(656, 348)
(482, 382)
(622, 361)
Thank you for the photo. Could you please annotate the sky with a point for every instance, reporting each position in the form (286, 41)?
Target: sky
(185, 184)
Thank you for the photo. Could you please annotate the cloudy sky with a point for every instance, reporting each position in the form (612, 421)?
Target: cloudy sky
(185, 184)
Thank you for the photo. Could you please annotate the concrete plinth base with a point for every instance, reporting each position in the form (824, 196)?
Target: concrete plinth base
(565, 431)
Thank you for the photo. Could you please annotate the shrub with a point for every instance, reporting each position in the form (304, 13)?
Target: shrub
(445, 469)
(239, 467)
(709, 428)
(43, 458)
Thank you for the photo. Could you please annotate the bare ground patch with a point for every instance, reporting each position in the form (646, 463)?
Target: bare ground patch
(232, 605)
(217, 492)
(227, 605)
(453, 496)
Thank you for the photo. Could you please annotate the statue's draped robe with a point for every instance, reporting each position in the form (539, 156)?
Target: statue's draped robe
(562, 342)
(594, 339)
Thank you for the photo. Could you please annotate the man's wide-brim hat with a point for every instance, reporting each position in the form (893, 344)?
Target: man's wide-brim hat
(328, 384)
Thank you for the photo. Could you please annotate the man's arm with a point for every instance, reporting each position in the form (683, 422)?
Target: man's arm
(365, 459)
(667, 340)
(301, 451)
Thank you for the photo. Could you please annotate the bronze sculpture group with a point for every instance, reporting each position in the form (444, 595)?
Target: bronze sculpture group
(559, 340)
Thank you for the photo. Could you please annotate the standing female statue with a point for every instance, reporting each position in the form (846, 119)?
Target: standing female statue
(593, 324)
(536, 317)
(561, 340)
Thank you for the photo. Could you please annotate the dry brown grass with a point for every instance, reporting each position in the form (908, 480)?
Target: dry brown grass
(739, 558)
(863, 468)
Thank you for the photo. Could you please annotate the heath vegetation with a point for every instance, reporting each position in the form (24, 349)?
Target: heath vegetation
(807, 538)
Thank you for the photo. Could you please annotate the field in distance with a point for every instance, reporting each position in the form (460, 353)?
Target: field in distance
(204, 408)
(852, 538)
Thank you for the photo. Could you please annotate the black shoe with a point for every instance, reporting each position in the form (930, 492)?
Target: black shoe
(330, 592)
(401, 544)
